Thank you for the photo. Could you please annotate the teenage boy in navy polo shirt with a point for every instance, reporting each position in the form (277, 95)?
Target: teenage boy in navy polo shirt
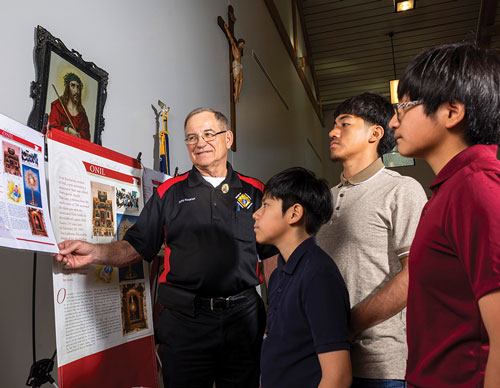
(308, 341)
(449, 115)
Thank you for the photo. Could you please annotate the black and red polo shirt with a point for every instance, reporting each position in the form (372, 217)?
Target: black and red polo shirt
(208, 233)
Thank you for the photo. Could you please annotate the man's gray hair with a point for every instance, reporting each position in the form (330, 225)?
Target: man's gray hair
(221, 119)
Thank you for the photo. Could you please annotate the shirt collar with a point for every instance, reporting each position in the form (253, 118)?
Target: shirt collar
(364, 175)
(195, 178)
(294, 259)
(464, 158)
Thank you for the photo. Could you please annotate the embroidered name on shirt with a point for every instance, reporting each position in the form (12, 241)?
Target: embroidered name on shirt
(187, 199)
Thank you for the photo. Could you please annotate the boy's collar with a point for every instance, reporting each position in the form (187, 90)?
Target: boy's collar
(293, 261)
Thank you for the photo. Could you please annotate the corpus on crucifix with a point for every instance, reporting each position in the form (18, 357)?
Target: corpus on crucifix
(237, 66)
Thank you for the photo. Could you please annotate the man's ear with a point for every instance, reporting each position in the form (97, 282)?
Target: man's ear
(229, 138)
(376, 133)
(455, 114)
(295, 213)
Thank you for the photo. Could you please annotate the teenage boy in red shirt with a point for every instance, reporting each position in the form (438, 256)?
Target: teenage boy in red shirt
(449, 115)
(308, 341)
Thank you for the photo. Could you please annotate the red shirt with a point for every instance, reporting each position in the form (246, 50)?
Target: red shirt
(454, 261)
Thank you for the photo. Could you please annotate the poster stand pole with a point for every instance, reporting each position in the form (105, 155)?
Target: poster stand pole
(40, 370)
(40, 373)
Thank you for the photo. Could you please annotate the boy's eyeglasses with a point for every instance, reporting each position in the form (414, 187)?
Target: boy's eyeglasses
(403, 105)
(207, 136)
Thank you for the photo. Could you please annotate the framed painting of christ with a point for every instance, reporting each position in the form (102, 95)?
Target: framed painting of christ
(68, 93)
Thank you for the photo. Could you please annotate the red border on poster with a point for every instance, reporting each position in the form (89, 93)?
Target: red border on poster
(111, 174)
(132, 364)
(27, 143)
(87, 146)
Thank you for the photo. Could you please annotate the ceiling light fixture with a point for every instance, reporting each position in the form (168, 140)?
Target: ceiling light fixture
(394, 83)
(394, 158)
(401, 6)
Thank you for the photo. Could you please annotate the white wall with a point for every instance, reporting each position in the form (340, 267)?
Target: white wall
(171, 50)
(270, 137)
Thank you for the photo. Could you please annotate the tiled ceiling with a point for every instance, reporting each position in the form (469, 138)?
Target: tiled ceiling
(351, 47)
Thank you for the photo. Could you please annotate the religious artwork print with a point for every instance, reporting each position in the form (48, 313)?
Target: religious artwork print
(133, 271)
(105, 274)
(69, 93)
(32, 186)
(29, 158)
(37, 222)
(127, 199)
(136, 270)
(124, 222)
(133, 301)
(67, 110)
(11, 160)
(103, 218)
(14, 191)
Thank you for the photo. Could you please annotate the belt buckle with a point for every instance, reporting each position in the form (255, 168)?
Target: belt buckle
(228, 299)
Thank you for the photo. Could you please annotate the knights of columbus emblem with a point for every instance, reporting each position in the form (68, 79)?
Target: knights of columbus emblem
(244, 200)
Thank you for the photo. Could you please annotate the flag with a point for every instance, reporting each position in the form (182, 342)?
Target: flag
(164, 159)
(164, 152)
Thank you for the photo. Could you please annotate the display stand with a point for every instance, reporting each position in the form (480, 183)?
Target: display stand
(40, 370)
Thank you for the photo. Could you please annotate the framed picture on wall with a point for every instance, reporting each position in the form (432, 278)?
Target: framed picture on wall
(68, 93)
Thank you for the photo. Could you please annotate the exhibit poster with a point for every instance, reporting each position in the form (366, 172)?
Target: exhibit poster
(103, 314)
(24, 209)
(151, 180)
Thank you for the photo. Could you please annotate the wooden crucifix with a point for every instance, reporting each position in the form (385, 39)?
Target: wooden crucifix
(235, 65)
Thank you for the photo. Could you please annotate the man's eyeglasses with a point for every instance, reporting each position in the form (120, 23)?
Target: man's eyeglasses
(403, 105)
(207, 136)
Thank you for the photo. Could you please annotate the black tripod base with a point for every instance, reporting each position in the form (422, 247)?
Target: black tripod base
(40, 373)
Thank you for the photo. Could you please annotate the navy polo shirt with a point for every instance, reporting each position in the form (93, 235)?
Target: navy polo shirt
(308, 314)
(210, 246)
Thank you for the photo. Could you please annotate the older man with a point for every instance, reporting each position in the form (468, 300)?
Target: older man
(213, 324)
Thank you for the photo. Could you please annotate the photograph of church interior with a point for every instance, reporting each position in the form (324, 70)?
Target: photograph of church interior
(278, 70)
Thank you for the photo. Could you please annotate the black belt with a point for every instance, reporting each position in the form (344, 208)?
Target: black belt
(222, 303)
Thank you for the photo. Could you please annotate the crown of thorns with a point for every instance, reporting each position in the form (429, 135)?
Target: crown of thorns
(72, 77)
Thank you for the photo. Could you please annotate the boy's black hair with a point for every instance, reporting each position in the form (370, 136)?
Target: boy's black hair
(375, 109)
(298, 185)
(460, 72)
